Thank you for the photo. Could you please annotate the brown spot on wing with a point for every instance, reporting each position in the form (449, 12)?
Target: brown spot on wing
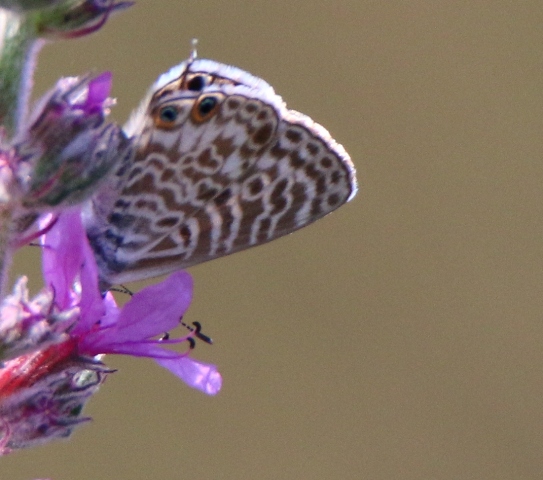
(207, 160)
(167, 222)
(223, 197)
(224, 146)
(263, 134)
(296, 160)
(293, 135)
(256, 186)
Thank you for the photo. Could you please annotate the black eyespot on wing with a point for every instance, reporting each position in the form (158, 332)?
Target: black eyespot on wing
(168, 114)
(196, 83)
(166, 117)
(207, 105)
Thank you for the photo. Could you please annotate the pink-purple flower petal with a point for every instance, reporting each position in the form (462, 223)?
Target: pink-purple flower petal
(91, 303)
(198, 375)
(63, 256)
(154, 310)
(98, 92)
(105, 328)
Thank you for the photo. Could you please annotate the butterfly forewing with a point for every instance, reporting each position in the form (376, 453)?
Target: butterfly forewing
(220, 165)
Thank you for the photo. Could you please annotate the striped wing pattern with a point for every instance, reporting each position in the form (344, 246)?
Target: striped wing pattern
(220, 165)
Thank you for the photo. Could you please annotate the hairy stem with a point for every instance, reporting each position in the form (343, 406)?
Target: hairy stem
(18, 47)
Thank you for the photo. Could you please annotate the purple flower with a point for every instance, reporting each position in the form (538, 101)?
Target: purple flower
(66, 148)
(28, 325)
(105, 328)
(50, 345)
(42, 395)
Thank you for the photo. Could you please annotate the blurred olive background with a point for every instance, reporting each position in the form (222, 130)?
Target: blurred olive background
(402, 336)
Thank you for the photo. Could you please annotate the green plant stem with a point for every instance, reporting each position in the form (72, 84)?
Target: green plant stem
(18, 47)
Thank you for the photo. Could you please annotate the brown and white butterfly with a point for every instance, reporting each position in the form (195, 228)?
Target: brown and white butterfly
(220, 164)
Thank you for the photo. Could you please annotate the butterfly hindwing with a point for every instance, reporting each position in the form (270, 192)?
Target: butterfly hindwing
(220, 165)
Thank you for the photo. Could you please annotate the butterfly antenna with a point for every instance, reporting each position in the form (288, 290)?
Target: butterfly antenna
(193, 50)
(121, 289)
(197, 330)
(200, 335)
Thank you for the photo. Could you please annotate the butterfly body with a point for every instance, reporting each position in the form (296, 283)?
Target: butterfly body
(220, 164)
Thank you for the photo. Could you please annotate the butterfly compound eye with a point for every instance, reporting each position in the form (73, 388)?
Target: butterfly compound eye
(166, 116)
(205, 108)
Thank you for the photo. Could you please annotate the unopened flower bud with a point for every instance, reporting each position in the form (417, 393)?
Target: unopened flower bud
(75, 18)
(23, 5)
(42, 395)
(68, 148)
(28, 325)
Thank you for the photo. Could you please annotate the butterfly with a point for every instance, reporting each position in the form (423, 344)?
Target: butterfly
(220, 164)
